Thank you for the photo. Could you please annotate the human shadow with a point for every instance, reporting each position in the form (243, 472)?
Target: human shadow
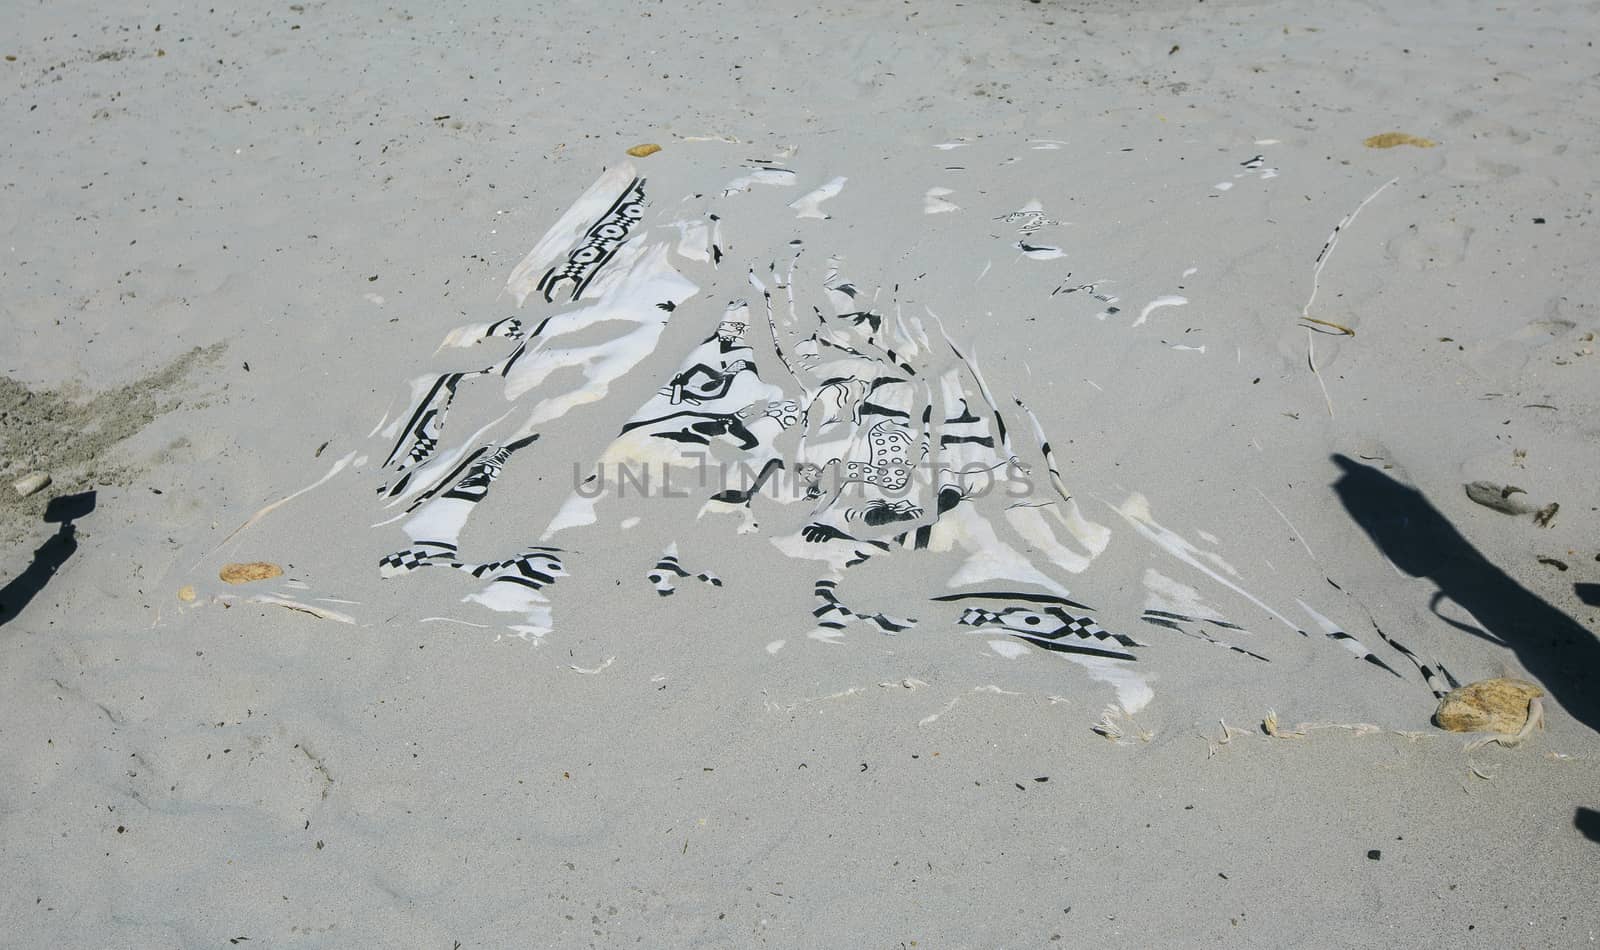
(49, 556)
(1419, 540)
(1587, 821)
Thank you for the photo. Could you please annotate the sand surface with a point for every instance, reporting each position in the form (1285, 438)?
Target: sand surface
(231, 237)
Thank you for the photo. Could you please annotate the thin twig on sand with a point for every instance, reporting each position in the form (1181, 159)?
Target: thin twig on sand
(1313, 324)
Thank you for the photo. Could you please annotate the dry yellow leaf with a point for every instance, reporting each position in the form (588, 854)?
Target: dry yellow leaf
(245, 573)
(640, 151)
(1391, 139)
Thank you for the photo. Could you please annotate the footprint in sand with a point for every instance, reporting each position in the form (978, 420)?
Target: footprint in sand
(1506, 356)
(1475, 167)
(1431, 246)
(1486, 130)
(1484, 150)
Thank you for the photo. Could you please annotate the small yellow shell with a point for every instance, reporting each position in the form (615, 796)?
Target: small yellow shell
(245, 573)
(186, 593)
(1391, 139)
(1497, 705)
(640, 151)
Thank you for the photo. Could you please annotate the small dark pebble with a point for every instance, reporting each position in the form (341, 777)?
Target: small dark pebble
(1374, 854)
(1221, 875)
(1019, 786)
(121, 829)
(372, 279)
(1042, 778)
(1538, 220)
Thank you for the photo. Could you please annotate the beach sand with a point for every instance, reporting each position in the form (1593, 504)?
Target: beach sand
(230, 237)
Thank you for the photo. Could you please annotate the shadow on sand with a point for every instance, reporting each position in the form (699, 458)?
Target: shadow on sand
(1558, 651)
(1587, 821)
(49, 556)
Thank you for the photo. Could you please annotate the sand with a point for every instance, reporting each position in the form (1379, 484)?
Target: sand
(69, 434)
(315, 196)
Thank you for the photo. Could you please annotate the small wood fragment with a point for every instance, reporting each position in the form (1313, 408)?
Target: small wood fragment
(1498, 497)
(647, 148)
(29, 484)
